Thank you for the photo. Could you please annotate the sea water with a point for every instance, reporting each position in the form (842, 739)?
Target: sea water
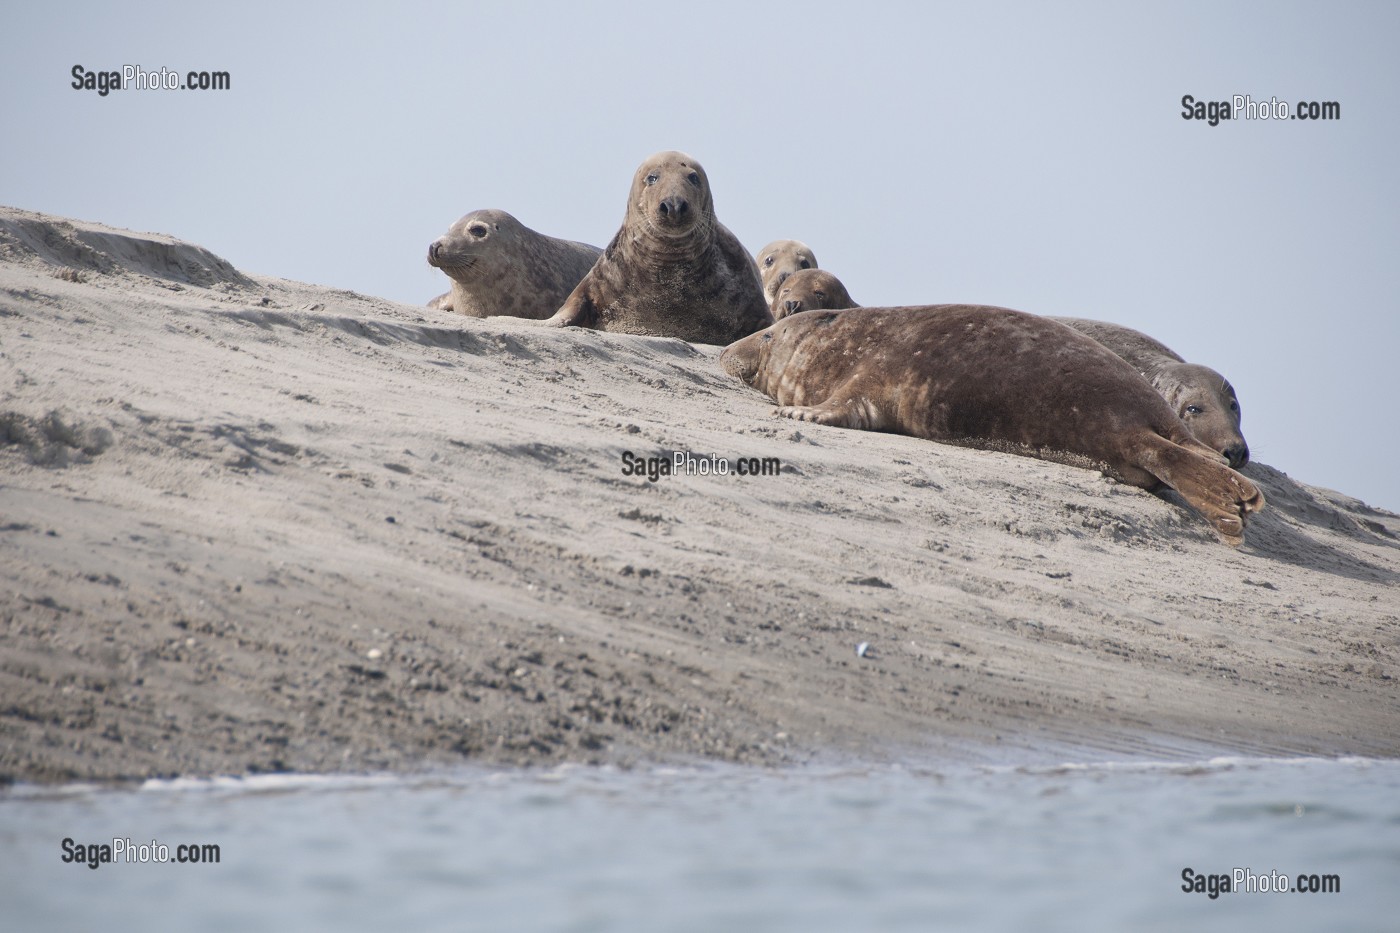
(1067, 847)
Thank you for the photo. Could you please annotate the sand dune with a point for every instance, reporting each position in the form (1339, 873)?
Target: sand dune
(250, 524)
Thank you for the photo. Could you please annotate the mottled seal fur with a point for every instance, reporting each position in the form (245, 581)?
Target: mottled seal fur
(1199, 395)
(673, 270)
(780, 259)
(810, 290)
(499, 266)
(991, 378)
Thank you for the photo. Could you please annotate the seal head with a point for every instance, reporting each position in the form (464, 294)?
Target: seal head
(780, 259)
(810, 290)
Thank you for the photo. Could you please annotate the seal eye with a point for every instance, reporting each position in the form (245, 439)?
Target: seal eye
(651, 179)
(477, 230)
(694, 179)
(1234, 405)
(768, 260)
(806, 264)
(821, 295)
(1193, 409)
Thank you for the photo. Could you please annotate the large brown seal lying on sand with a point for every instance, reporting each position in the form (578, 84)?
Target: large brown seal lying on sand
(811, 290)
(500, 266)
(991, 378)
(780, 259)
(1201, 397)
(673, 270)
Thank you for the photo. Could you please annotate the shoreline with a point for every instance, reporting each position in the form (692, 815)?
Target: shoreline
(1044, 762)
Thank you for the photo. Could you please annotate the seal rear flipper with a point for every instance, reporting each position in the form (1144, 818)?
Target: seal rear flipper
(1222, 496)
(442, 302)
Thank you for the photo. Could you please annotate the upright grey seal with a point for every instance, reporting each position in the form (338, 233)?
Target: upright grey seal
(1201, 397)
(992, 378)
(499, 266)
(780, 259)
(810, 290)
(672, 270)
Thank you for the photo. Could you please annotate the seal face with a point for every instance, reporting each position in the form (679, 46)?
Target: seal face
(1199, 395)
(991, 378)
(672, 270)
(810, 290)
(499, 266)
(780, 259)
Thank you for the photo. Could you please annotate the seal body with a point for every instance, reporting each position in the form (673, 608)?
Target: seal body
(499, 266)
(991, 378)
(780, 259)
(810, 290)
(1199, 395)
(673, 270)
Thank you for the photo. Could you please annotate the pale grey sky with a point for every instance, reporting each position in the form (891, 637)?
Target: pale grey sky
(1022, 154)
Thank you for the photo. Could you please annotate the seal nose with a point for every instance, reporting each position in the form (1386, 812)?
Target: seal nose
(792, 306)
(674, 207)
(783, 277)
(1237, 454)
(433, 248)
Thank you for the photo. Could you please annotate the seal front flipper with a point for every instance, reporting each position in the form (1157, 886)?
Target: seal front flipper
(819, 414)
(578, 311)
(1222, 496)
(854, 410)
(442, 302)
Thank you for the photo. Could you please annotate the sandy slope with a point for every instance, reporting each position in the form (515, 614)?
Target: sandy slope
(251, 524)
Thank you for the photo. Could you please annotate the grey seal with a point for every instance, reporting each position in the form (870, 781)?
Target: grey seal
(1201, 397)
(672, 270)
(810, 290)
(992, 378)
(780, 259)
(499, 266)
